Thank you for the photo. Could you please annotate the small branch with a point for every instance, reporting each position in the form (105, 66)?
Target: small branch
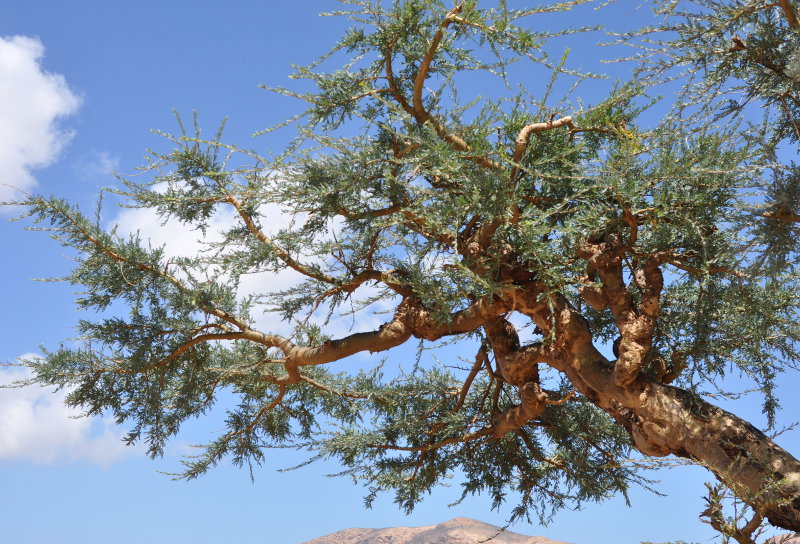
(562, 400)
(522, 143)
(480, 360)
(323, 387)
(549, 460)
(698, 272)
(788, 217)
(761, 60)
(526, 133)
(420, 226)
(190, 344)
(419, 110)
(146, 268)
(261, 412)
(791, 116)
(395, 90)
(469, 437)
(386, 278)
(282, 255)
(381, 212)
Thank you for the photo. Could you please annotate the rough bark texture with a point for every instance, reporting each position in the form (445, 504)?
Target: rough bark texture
(665, 420)
(661, 419)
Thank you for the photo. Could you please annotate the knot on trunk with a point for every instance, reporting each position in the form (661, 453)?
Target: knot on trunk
(627, 369)
(533, 401)
(643, 433)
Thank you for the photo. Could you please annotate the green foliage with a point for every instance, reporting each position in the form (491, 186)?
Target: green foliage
(388, 176)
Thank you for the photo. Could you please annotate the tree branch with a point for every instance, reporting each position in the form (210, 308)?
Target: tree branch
(386, 278)
(790, 13)
(534, 128)
(635, 322)
(410, 319)
(394, 88)
(517, 365)
(417, 110)
(533, 401)
(419, 83)
(115, 256)
(282, 255)
(190, 344)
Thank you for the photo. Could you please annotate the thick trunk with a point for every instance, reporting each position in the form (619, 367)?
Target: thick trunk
(673, 421)
(665, 420)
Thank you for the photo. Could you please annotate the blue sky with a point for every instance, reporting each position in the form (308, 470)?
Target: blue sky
(81, 86)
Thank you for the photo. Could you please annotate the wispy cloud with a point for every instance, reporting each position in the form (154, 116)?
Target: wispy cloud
(181, 241)
(31, 103)
(36, 426)
(97, 166)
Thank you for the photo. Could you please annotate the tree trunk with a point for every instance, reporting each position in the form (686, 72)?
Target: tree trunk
(665, 420)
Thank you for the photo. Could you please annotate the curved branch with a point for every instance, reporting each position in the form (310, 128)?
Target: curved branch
(410, 319)
(481, 359)
(386, 278)
(398, 95)
(517, 365)
(193, 342)
(533, 401)
(525, 134)
(424, 68)
(420, 226)
(282, 254)
(636, 322)
(417, 108)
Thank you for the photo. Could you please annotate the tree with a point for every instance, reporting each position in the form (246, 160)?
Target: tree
(673, 239)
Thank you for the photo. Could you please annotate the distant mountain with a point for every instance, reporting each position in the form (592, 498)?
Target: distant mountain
(455, 531)
(789, 538)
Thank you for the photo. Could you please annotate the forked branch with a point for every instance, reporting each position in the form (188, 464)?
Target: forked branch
(425, 66)
(417, 109)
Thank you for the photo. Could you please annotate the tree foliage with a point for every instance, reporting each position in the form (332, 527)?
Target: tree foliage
(667, 228)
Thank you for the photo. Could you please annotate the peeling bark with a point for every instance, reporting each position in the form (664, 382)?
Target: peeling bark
(665, 420)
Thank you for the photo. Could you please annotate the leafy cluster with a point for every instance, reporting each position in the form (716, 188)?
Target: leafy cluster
(389, 182)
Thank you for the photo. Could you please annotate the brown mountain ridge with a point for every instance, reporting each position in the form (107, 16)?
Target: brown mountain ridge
(455, 531)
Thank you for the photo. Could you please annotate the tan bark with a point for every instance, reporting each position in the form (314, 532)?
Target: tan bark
(411, 318)
(665, 420)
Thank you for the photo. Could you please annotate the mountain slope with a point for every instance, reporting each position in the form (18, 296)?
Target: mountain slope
(455, 531)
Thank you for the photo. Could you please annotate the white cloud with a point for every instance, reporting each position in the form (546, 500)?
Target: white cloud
(31, 103)
(178, 239)
(36, 426)
(97, 165)
(181, 241)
